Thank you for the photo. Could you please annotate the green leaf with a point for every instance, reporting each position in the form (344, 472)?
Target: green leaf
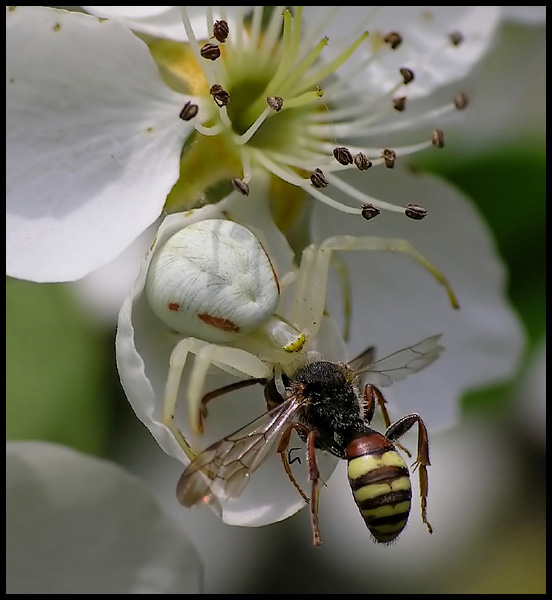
(56, 368)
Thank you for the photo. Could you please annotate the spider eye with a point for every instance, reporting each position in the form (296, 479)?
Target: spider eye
(212, 280)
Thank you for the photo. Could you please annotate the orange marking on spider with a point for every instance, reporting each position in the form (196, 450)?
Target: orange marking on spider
(219, 323)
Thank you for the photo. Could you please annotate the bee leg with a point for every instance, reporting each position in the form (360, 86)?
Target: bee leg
(219, 392)
(397, 430)
(282, 447)
(314, 477)
(372, 395)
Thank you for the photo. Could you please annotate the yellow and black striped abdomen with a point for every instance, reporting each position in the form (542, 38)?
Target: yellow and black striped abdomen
(380, 482)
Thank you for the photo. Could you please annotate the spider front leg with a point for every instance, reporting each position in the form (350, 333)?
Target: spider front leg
(397, 430)
(232, 360)
(312, 279)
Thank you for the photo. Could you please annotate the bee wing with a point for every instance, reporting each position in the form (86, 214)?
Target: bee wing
(364, 359)
(223, 469)
(400, 364)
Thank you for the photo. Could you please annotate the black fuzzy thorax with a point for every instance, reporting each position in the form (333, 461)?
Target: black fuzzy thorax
(332, 400)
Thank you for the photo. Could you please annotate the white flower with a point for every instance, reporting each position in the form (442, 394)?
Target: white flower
(94, 138)
(91, 171)
(80, 525)
(395, 303)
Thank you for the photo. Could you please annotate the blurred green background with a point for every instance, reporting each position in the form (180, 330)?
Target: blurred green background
(62, 384)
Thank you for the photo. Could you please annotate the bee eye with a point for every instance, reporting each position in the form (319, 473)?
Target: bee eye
(212, 280)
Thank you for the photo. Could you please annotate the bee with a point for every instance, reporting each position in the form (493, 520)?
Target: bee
(324, 403)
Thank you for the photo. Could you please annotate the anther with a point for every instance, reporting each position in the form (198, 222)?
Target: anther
(460, 100)
(389, 156)
(220, 95)
(220, 31)
(438, 138)
(240, 186)
(399, 104)
(189, 111)
(456, 38)
(362, 162)
(275, 103)
(343, 155)
(407, 75)
(415, 211)
(369, 211)
(318, 179)
(394, 39)
(210, 51)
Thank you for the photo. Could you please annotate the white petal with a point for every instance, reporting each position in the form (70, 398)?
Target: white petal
(500, 110)
(166, 21)
(130, 12)
(425, 48)
(93, 142)
(160, 21)
(396, 302)
(143, 349)
(77, 524)
(101, 293)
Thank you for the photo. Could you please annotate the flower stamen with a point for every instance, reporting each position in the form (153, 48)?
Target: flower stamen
(245, 137)
(270, 69)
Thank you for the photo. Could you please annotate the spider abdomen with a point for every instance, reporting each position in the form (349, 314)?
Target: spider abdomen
(212, 280)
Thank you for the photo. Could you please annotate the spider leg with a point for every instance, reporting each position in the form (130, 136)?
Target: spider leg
(312, 279)
(232, 360)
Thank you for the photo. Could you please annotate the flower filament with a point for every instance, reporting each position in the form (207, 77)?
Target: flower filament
(264, 105)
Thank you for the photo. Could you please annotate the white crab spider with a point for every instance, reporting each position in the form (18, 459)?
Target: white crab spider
(214, 284)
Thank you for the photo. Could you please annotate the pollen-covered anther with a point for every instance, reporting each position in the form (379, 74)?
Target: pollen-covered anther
(189, 111)
(240, 186)
(220, 31)
(394, 39)
(369, 211)
(438, 138)
(460, 100)
(343, 155)
(220, 95)
(407, 75)
(275, 103)
(399, 104)
(210, 51)
(389, 156)
(456, 38)
(415, 211)
(362, 162)
(318, 179)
